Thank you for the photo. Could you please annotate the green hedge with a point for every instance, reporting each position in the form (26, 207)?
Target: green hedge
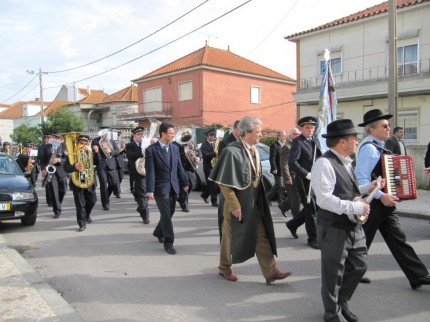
(268, 140)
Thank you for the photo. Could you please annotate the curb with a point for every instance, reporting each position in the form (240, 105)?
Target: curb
(412, 215)
(55, 301)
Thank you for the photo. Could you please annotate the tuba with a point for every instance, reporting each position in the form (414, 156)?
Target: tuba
(219, 137)
(78, 153)
(105, 143)
(185, 137)
(152, 133)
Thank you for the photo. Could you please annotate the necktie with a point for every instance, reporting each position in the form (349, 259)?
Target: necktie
(165, 148)
(252, 150)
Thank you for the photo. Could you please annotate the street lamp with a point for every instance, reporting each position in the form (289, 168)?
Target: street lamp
(41, 94)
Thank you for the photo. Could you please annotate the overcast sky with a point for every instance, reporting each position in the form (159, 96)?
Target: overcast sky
(56, 35)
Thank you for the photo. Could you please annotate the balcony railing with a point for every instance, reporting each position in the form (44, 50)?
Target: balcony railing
(346, 78)
(164, 111)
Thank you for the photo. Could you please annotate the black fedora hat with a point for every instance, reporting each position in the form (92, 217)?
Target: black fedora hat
(307, 120)
(374, 115)
(339, 128)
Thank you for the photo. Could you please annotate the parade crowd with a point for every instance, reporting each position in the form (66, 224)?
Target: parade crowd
(339, 199)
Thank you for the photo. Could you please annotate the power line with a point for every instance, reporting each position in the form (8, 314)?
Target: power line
(167, 44)
(20, 89)
(136, 42)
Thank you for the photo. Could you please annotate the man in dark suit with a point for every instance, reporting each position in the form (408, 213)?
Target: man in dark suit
(275, 165)
(134, 152)
(165, 176)
(232, 137)
(104, 159)
(208, 153)
(395, 143)
(55, 155)
(302, 156)
(119, 158)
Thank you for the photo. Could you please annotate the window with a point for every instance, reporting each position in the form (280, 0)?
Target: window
(185, 92)
(336, 62)
(152, 100)
(409, 121)
(407, 60)
(255, 94)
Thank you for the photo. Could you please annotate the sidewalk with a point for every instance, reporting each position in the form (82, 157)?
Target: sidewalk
(25, 296)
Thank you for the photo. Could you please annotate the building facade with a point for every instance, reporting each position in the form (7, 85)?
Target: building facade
(359, 58)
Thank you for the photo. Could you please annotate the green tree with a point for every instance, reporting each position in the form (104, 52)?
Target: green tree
(63, 121)
(26, 134)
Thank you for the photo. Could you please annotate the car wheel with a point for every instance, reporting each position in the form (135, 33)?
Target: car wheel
(29, 221)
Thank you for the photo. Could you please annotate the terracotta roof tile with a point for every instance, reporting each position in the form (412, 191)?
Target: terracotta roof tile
(16, 111)
(55, 105)
(216, 58)
(372, 11)
(5, 105)
(128, 94)
(96, 96)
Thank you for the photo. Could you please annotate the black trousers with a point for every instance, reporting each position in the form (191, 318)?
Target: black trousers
(120, 177)
(85, 199)
(140, 196)
(58, 187)
(108, 180)
(307, 215)
(184, 195)
(387, 222)
(211, 189)
(166, 205)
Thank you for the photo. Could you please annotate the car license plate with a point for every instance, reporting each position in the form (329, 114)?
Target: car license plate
(4, 206)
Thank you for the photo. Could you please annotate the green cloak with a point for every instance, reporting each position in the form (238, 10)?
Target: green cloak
(233, 169)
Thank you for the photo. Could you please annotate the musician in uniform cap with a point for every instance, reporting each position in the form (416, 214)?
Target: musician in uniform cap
(85, 198)
(382, 209)
(208, 153)
(342, 242)
(104, 159)
(58, 180)
(46, 139)
(134, 152)
(302, 155)
(189, 167)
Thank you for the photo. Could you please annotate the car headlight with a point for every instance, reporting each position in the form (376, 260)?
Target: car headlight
(22, 195)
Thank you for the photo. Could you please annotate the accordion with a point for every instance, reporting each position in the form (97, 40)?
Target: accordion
(398, 170)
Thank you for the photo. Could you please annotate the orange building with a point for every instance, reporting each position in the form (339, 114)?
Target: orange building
(214, 86)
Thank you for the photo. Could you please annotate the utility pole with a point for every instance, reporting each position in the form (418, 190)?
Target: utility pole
(392, 61)
(41, 97)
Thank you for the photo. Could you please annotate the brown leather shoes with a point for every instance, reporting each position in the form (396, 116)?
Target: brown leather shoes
(277, 276)
(229, 275)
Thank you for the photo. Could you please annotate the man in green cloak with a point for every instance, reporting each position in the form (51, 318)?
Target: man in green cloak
(247, 226)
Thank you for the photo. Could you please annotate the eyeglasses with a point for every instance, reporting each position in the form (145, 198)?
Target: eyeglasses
(386, 126)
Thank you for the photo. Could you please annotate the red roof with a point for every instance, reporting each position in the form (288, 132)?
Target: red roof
(128, 94)
(96, 96)
(216, 58)
(366, 13)
(55, 105)
(16, 111)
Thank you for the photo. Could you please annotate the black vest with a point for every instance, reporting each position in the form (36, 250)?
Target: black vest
(345, 188)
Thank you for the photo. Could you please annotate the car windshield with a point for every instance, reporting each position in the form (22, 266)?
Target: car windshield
(264, 151)
(8, 166)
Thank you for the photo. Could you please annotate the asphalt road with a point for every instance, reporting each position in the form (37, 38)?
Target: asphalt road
(117, 271)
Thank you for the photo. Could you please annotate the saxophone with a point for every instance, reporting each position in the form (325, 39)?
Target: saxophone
(78, 153)
(50, 168)
(30, 164)
(152, 133)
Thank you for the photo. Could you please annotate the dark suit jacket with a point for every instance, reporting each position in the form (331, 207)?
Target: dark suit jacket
(287, 174)
(161, 176)
(45, 158)
(274, 159)
(301, 158)
(393, 145)
(208, 154)
(226, 141)
(100, 160)
(133, 153)
(427, 158)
